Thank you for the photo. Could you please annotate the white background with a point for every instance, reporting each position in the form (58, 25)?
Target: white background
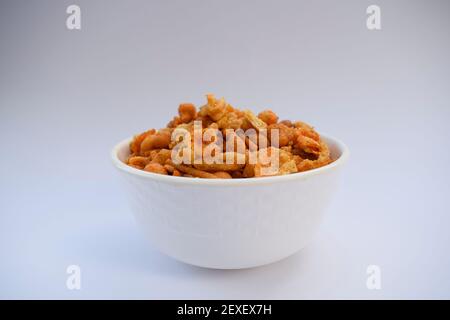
(66, 97)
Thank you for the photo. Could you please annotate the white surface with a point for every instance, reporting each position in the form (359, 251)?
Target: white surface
(67, 97)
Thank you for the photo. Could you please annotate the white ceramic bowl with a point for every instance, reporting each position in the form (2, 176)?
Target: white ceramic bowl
(235, 223)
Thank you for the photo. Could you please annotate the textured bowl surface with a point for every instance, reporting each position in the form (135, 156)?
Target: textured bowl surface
(231, 223)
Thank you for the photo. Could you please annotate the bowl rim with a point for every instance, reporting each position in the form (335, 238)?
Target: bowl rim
(345, 153)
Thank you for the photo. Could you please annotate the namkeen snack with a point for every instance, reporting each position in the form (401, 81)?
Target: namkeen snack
(219, 141)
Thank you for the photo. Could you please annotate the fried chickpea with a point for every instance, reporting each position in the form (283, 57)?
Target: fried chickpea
(286, 135)
(308, 145)
(136, 143)
(206, 120)
(155, 168)
(187, 112)
(237, 174)
(222, 175)
(170, 169)
(174, 122)
(159, 140)
(249, 171)
(268, 116)
(306, 130)
(162, 156)
(287, 123)
(138, 161)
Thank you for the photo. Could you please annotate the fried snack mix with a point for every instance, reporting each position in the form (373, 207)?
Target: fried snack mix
(222, 142)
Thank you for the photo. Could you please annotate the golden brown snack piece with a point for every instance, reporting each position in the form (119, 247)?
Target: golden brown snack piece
(138, 161)
(161, 156)
(293, 146)
(257, 123)
(286, 164)
(157, 140)
(287, 123)
(322, 160)
(308, 145)
(268, 116)
(215, 109)
(169, 168)
(286, 134)
(215, 167)
(193, 171)
(230, 161)
(221, 113)
(222, 175)
(237, 174)
(135, 146)
(155, 168)
(187, 112)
